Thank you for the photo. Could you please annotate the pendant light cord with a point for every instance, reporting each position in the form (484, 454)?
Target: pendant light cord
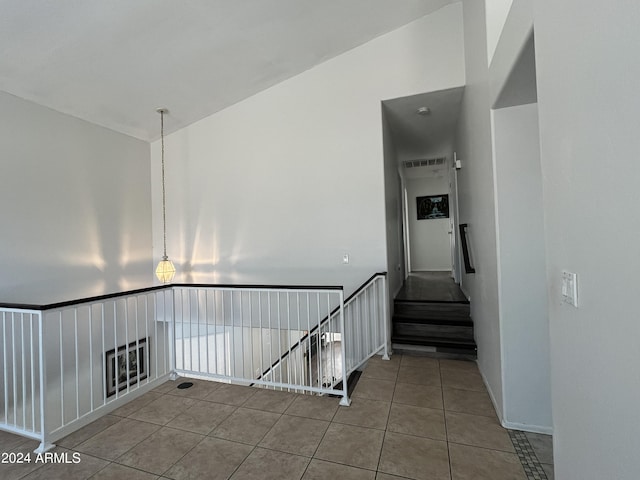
(164, 207)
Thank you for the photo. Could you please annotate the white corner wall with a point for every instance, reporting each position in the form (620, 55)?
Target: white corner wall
(393, 188)
(476, 200)
(429, 241)
(75, 205)
(588, 74)
(496, 15)
(522, 269)
(276, 188)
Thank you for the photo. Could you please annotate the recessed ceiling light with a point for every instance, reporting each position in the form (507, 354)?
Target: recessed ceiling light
(424, 111)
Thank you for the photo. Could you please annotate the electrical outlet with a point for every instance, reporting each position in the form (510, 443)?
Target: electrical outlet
(570, 288)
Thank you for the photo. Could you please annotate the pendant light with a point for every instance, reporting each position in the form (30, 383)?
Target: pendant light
(165, 270)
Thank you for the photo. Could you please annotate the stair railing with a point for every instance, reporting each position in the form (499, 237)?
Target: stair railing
(65, 365)
(366, 331)
(468, 268)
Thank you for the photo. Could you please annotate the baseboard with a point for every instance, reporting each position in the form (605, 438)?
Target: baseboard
(397, 292)
(527, 428)
(465, 293)
(491, 396)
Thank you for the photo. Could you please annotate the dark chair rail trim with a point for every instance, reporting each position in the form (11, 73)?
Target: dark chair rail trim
(68, 303)
(468, 268)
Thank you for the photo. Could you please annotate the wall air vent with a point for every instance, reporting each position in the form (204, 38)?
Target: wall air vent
(427, 162)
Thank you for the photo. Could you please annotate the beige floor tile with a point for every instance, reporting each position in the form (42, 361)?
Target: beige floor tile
(350, 445)
(136, 404)
(297, 435)
(321, 470)
(393, 359)
(419, 376)
(414, 457)
(168, 385)
(462, 379)
(542, 446)
(15, 470)
(386, 476)
(472, 463)
(468, 401)
(117, 439)
(199, 390)
(313, 406)
(161, 450)
(477, 431)
(212, 458)
(10, 441)
(265, 464)
(418, 395)
(67, 469)
(459, 365)
(270, 400)
(163, 410)
(246, 425)
(231, 394)
(420, 421)
(420, 362)
(381, 370)
(88, 431)
(202, 417)
(364, 413)
(374, 389)
(113, 471)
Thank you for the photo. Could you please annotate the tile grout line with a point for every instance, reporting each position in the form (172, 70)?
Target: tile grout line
(386, 425)
(323, 435)
(162, 426)
(262, 438)
(444, 414)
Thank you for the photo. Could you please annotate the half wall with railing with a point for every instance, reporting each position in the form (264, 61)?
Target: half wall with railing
(65, 365)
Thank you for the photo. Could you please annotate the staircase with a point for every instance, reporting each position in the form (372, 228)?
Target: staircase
(433, 326)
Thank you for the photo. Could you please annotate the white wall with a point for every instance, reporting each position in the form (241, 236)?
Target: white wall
(496, 15)
(75, 205)
(393, 207)
(522, 269)
(276, 188)
(476, 199)
(588, 73)
(429, 239)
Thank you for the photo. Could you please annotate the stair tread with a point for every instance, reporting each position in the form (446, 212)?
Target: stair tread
(427, 330)
(433, 340)
(461, 321)
(430, 302)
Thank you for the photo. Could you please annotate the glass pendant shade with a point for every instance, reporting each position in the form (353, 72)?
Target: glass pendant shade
(165, 270)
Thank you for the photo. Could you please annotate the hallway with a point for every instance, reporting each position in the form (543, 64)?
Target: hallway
(431, 287)
(411, 417)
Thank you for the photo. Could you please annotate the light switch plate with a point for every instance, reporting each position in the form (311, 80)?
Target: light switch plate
(570, 288)
(345, 258)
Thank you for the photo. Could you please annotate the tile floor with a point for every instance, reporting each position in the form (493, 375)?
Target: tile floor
(411, 417)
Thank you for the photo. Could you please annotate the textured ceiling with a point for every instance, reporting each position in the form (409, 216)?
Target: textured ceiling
(114, 62)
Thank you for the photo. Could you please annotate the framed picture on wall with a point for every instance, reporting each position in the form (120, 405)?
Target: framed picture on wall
(132, 359)
(432, 206)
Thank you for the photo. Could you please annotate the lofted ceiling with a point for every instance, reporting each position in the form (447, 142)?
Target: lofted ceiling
(114, 62)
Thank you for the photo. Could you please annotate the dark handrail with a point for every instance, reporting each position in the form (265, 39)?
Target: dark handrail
(320, 324)
(68, 303)
(465, 249)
